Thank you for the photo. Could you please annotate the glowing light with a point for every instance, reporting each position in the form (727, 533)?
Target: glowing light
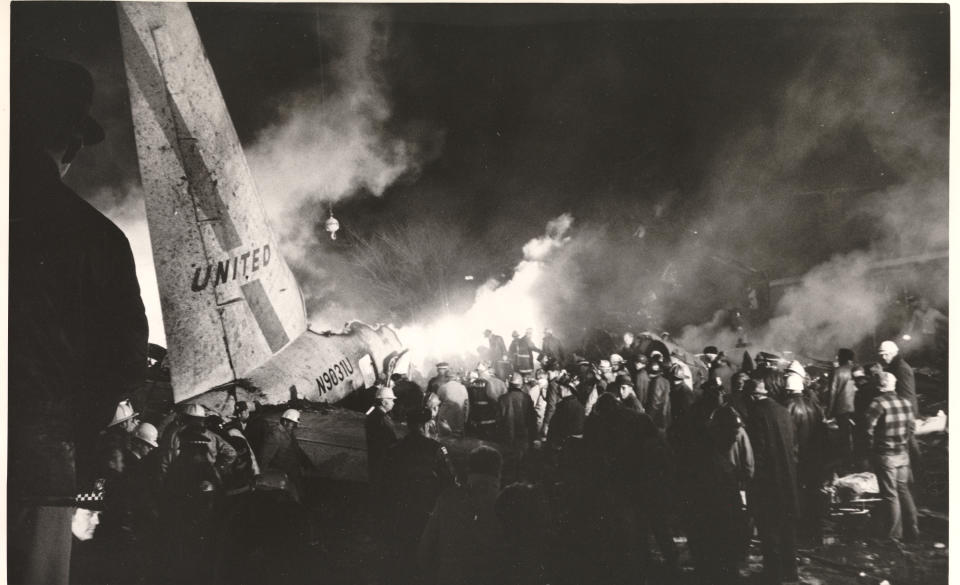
(332, 225)
(501, 308)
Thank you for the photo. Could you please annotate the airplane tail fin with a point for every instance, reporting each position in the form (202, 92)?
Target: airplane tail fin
(229, 300)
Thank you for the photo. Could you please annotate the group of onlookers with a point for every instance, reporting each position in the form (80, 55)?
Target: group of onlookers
(614, 451)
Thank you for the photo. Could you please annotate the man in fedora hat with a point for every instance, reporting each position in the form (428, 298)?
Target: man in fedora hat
(77, 330)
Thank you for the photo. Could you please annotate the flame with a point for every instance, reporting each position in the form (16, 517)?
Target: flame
(502, 308)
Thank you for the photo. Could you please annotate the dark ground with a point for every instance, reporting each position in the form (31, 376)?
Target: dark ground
(348, 553)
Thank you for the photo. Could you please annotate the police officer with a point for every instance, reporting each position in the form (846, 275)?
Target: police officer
(443, 375)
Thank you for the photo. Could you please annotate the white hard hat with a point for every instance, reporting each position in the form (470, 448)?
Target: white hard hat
(616, 358)
(291, 414)
(386, 392)
(147, 433)
(123, 413)
(889, 347)
(794, 383)
(796, 368)
(195, 411)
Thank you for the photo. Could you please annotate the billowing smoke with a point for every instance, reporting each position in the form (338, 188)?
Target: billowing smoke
(860, 148)
(845, 172)
(333, 139)
(846, 166)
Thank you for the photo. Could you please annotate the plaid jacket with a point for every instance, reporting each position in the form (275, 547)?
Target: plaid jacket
(889, 423)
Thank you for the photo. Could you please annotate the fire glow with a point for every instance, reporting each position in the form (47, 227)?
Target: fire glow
(502, 308)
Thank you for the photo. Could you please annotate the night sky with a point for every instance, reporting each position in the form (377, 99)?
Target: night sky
(764, 133)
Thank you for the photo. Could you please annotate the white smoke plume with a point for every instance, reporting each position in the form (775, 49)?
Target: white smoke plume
(862, 85)
(502, 307)
(331, 140)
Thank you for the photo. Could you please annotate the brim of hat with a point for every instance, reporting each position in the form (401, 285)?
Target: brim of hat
(94, 505)
(153, 444)
(91, 131)
(116, 422)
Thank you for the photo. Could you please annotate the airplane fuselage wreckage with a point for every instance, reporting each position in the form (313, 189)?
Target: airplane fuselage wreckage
(233, 313)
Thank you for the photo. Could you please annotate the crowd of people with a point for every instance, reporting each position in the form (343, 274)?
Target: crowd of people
(197, 502)
(582, 460)
(597, 457)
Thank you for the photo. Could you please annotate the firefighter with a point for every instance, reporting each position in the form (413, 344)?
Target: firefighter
(658, 397)
(281, 451)
(809, 433)
(220, 454)
(132, 513)
(552, 348)
(523, 354)
(718, 366)
(115, 439)
(193, 490)
(498, 354)
(618, 364)
(443, 375)
(483, 410)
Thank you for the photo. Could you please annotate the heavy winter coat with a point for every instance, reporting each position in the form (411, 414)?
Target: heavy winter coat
(906, 385)
(774, 485)
(518, 420)
(77, 328)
